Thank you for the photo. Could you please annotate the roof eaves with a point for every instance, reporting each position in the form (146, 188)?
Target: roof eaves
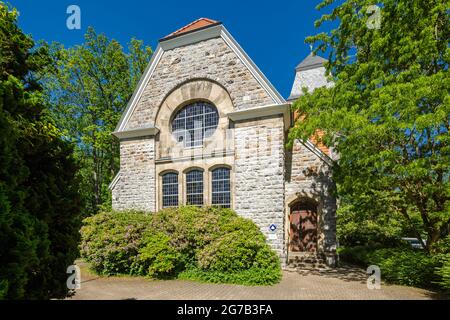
(292, 98)
(309, 67)
(175, 35)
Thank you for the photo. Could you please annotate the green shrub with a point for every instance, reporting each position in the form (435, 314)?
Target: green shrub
(402, 265)
(207, 244)
(236, 258)
(111, 241)
(444, 273)
(157, 258)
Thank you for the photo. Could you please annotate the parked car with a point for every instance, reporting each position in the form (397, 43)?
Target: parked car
(415, 243)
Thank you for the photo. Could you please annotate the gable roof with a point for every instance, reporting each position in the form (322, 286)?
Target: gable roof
(311, 62)
(194, 25)
(182, 38)
(203, 29)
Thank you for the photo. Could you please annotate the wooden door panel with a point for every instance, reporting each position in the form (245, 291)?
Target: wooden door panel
(303, 230)
(294, 234)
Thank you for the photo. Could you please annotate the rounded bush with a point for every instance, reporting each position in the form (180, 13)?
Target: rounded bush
(110, 241)
(207, 244)
(157, 257)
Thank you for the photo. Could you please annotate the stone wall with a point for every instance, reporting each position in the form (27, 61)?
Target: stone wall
(259, 174)
(211, 59)
(265, 178)
(135, 188)
(308, 177)
(311, 79)
(196, 90)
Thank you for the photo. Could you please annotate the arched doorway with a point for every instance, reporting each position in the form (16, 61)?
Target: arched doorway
(303, 226)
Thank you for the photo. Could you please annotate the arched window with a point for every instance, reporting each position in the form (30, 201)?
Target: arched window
(194, 187)
(195, 122)
(170, 190)
(221, 194)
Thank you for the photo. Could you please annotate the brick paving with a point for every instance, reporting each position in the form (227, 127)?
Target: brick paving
(342, 283)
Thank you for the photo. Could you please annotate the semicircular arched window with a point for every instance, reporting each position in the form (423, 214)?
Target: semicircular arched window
(195, 122)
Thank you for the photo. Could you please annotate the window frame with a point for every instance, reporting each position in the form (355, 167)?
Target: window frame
(189, 171)
(193, 104)
(212, 181)
(164, 174)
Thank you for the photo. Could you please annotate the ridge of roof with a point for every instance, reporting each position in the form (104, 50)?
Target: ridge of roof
(310, 62)
(198, 24)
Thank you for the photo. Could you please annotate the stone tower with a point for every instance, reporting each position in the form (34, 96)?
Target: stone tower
(309, 73)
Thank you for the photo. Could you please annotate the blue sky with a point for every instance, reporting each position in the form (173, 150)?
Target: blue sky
(271, 32)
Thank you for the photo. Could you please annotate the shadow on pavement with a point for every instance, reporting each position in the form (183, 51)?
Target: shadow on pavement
(345, 273)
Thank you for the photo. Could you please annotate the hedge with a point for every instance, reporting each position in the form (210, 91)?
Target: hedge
(205, 244)
(404, 265)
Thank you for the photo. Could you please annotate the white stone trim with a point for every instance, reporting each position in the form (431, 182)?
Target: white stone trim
(218, 154)
(252, 67)
(114, 181)
(191, 37)
(156, 57)
(265, 111)
(136, 133)
(313, 148)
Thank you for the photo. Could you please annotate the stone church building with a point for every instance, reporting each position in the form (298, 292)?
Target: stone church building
(206, 127)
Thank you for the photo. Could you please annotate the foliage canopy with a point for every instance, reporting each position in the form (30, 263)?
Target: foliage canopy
(39, 203)
(88, 87)
(388, 113)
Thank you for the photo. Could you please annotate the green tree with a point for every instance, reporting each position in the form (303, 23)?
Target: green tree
(39, 204)
(387, 115)
(88, 87)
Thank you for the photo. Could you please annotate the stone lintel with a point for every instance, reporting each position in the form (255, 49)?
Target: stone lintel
(259, 112)
(136, 133)
(214, 154)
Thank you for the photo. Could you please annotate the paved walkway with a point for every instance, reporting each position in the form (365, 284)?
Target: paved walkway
(343, 283)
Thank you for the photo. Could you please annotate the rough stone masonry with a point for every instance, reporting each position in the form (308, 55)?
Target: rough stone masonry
(266, 177)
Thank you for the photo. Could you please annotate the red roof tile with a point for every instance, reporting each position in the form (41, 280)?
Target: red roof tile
(197, 24)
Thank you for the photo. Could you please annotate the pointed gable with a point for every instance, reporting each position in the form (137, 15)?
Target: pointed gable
(195, 25)
(203, 49)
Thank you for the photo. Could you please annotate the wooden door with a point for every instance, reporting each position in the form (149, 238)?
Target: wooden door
(294, 234)
(303, 228)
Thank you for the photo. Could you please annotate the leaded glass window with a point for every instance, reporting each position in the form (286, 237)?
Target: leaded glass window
(195, 122)
(194, 187)
(170, 190)
(221, 194)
